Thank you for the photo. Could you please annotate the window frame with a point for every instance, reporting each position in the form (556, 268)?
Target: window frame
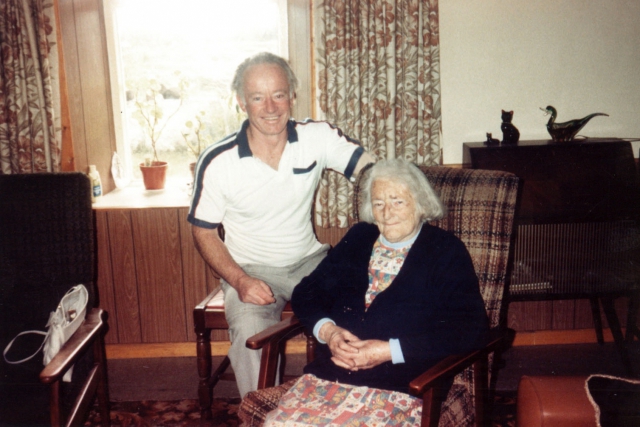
(298, 16)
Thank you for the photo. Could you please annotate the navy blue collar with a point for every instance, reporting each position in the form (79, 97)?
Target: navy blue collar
(243, 140)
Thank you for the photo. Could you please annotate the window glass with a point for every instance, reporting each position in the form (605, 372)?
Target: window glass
(175, 61)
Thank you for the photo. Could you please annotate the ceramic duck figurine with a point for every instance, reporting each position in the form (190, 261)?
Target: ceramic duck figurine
(563, 132)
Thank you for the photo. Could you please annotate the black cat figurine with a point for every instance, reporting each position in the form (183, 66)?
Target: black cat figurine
(491, 141)
(510, 133)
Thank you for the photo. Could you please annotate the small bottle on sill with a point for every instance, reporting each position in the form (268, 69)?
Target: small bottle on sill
(96, 183)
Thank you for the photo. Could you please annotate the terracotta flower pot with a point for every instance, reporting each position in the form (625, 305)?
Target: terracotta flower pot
(154, 176)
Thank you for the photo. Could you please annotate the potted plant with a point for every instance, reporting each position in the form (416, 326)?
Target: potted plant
(148, 111)
(195, 137)
(221, 118)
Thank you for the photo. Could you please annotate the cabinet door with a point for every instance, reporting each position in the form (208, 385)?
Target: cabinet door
(158, 259)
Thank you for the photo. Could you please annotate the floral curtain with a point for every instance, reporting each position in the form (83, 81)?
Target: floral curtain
(30, 131)
(378, 79)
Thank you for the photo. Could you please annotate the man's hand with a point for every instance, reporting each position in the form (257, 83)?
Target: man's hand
(339, 341)
(254, 291)
(215, 253)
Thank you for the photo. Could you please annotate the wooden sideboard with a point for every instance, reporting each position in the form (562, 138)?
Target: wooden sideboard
(578, 233)
(578, 215)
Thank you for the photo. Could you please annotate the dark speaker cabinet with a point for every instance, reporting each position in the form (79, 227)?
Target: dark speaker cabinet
(577, 217)
(577, 220)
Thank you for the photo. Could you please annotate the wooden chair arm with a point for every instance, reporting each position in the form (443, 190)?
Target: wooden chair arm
(203, 304)
(272, 341)
(430, 385)
(274, 334)
(454, 364)
(79, 342)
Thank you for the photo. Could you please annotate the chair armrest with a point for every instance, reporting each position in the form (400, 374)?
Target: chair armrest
(80, 341)
(454, 364)
(271, 341)
(203, 304)
(274, 334)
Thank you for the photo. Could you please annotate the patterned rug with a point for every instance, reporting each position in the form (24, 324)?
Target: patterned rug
(186, 413)
(178, 413)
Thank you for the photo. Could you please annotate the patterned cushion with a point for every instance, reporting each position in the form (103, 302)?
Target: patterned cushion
(315, 402)
(257, 404)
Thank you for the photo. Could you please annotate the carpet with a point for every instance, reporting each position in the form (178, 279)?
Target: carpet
(186, 413)
(174, 413)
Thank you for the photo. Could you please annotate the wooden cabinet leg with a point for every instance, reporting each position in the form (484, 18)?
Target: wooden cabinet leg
(597, 320)
(616, 331)
(632, 317)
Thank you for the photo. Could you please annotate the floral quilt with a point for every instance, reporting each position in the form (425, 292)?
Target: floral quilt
(316, 402)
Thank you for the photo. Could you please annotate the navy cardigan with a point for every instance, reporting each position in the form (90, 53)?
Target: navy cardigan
(433, 306)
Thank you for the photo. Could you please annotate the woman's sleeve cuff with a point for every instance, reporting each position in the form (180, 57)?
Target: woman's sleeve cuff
(396, 351)
(319, 324)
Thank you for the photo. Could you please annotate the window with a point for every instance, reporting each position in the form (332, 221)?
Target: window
(172, 63)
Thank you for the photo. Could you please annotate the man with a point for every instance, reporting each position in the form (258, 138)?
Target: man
(260, 183)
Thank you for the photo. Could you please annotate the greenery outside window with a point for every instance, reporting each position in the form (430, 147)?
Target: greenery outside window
(171, 64)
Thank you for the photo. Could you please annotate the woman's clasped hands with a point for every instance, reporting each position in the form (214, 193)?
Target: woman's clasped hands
(350, 352)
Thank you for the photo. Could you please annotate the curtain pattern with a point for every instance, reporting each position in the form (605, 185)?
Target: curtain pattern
(30, 131)
(378, 79)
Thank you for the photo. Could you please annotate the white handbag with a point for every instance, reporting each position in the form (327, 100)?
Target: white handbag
(62, 324)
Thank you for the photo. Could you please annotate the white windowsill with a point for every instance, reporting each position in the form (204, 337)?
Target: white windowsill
(176, 194)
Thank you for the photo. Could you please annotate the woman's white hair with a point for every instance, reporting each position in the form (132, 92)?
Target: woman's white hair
(429, 207)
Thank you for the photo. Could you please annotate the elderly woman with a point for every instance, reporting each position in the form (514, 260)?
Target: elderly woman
(396, 295)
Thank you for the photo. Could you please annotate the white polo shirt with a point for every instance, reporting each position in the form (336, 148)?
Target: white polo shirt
(266, 212)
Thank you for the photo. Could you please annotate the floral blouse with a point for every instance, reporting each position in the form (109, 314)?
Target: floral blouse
(384, 266)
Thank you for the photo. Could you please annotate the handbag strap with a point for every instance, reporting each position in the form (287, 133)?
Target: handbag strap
(15, 362)
(59, 309)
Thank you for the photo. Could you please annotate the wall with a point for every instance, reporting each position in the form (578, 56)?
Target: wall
(579, 56)
(495, 54)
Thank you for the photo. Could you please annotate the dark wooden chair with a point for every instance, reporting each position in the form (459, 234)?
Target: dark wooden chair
(481, 206)
(46, 247)
(208, 316)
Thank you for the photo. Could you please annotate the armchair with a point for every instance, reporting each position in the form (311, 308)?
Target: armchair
(481, 206)
(46, 247)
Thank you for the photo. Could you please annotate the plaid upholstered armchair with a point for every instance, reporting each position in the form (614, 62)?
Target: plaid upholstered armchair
(481, 206)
